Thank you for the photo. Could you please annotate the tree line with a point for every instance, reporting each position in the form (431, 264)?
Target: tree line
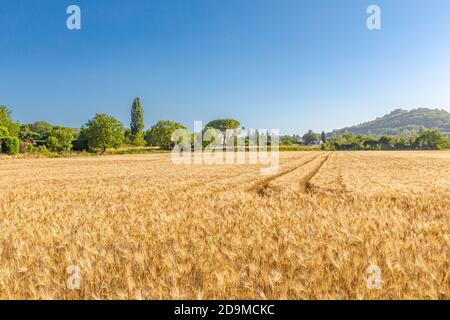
(424, 139)
(100, 133)
(104, 132)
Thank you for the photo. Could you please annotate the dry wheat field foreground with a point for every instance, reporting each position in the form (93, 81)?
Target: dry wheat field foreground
(140, 227)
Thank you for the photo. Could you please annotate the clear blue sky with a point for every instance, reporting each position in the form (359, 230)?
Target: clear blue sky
(287, 64)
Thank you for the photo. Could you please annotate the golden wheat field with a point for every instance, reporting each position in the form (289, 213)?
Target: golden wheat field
(140, 227)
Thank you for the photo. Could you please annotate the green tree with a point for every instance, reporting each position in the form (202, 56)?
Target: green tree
(287, 141)
(103, 132)
(11, 145)
(4, 132)
(160, 135)
(223, 125)
(26, 134)
(7, 122)
(370, 143)
(346, 142)
(37, 131)
(139, 139)
(402, 143)
(42, 128)
(310, 137)
(128, 136)
(81, 142)
(426, 140)
(323, 137)
(60, 139)
(431, 140)
(387, 142)
(137, 122)
(8, 144)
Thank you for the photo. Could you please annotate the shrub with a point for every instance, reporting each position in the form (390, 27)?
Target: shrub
(80, 145)
(52, 144)
(139, 140)
(8, 144)
(6, 121)
(160, 135)
(60, 139)
(11, 145)
(4, 132)
(42, 150)
(30, 148)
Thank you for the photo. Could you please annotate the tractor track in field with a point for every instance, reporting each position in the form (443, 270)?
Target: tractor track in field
(305, 183)
(339, 187)
(261, 187)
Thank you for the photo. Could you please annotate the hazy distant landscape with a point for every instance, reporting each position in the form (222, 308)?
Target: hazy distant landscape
(403, 122)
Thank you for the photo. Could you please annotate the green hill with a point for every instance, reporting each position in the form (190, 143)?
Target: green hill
(402, 122)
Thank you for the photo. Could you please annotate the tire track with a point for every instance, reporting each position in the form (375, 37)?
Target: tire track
(305, 183)
(261, 187)
(341, 187)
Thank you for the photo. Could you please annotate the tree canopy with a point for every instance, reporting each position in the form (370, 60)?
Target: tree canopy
(38, 130)
(310, 137)
(223, 125)
(103, 132)
(427, 140)
(160, 135)
(60, 139)
(137, 123)
(7, 122)
(8, 144)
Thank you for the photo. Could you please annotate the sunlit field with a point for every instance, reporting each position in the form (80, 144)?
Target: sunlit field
(140, 227)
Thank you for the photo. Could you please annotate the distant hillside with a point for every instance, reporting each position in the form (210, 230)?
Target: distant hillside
(402, 122)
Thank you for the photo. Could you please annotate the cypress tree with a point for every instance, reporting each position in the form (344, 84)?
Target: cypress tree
(137, 118)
